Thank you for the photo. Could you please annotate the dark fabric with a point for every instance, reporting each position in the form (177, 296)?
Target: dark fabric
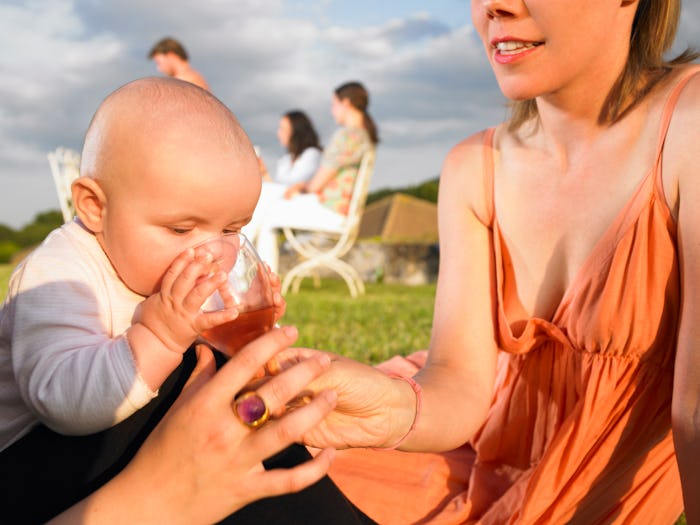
(322, 503)
(44, 472)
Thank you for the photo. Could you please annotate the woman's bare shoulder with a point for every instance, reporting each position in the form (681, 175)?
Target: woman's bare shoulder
(684, 128)
(464, 176)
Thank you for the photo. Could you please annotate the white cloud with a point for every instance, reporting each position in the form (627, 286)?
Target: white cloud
(430, 84)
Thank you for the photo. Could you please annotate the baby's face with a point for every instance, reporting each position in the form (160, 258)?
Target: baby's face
(174, 195)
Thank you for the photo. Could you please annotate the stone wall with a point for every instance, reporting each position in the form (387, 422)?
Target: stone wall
(409, 264)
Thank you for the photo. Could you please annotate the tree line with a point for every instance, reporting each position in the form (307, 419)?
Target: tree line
(13, 243)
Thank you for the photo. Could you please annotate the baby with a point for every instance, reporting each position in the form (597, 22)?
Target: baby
(100, 314)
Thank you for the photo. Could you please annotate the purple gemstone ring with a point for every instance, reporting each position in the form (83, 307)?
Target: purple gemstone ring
(251, 409)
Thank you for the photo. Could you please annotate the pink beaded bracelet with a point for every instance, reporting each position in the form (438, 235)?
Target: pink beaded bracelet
(419, 405)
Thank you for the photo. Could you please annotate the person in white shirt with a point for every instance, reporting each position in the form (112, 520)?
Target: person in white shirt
(323, 201)
(303, 157)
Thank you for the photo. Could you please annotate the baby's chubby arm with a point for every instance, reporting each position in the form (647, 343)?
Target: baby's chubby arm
(169, 321)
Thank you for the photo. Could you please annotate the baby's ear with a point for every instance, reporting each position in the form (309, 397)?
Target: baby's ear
(89, 201)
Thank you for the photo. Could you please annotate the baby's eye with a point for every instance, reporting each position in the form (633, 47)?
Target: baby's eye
(180, 231)
(231, 230)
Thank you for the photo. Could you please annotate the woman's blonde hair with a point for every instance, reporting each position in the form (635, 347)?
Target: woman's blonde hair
(653, 32)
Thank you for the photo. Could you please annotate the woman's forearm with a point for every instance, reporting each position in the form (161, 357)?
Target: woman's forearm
(320, 179)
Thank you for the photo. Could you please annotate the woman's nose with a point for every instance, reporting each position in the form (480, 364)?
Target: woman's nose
(500, 8)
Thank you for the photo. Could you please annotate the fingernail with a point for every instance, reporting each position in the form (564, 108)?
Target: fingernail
(331, 396)
(290, 331)
(324, 360)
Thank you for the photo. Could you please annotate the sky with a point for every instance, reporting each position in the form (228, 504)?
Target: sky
(429, 82)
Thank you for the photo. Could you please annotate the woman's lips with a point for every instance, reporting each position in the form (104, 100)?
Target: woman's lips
(508, 51)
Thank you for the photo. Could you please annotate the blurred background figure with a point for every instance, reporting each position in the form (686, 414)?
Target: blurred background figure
(322, 202)
(297, 134)
(172, 60)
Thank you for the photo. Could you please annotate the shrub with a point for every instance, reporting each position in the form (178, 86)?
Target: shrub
(7, 250)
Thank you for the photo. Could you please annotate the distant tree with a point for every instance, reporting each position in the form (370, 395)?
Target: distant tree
(33, 234)
(427, 190)
(6, 233)
(12, 242)
(379, 195)
(7, 250)
(53, 218)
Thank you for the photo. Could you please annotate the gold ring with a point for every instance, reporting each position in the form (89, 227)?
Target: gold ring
(251, 409)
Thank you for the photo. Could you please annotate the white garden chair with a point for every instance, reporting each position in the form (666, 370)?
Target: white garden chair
(65, 168)
(323, 250)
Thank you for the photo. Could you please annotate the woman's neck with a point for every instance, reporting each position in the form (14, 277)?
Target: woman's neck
(354, 118)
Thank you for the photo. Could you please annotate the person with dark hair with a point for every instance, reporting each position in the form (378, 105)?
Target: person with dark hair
(323, 200)
(562, 382)
(303, 157)
(172, 60)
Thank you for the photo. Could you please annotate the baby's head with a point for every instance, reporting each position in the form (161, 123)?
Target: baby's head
(164, 166)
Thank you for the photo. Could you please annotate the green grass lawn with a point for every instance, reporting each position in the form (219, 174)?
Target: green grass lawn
(387, 320)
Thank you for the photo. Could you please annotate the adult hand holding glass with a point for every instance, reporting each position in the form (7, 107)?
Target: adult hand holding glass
(372, 410)
(201, 463)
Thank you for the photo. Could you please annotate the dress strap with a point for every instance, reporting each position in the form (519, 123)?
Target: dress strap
(488, 167)
(669, 107)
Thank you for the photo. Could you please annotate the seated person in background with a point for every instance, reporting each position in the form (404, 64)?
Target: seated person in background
(303, 158)
(321, 202)
(99, 317)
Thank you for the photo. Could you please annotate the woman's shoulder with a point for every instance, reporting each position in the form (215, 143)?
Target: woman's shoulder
(311, 152)
(684, 81)
(349, 133)
(684, 128)
(471, 149)
(689, 98)
(468, 170)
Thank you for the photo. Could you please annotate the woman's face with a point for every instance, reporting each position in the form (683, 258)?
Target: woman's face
(339, 109)
(284, 131)
(537, 47)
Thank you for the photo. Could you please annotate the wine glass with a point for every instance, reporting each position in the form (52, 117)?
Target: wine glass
(247, 289)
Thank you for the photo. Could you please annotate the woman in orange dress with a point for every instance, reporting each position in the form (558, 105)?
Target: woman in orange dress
(566, 338)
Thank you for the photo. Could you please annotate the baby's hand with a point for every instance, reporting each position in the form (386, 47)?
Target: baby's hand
(174, 314)
(277, 299)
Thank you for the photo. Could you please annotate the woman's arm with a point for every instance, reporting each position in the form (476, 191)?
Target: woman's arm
(680, 158)
(316, 184)
(458, 378)
(345, 149)
(201, 464)
(375, 410)
(301, 170)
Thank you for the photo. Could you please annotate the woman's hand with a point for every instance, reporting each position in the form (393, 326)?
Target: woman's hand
(372, 410)
(294, 189)
(201, 463)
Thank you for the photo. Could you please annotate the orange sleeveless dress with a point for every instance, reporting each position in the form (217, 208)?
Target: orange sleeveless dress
(579, 430)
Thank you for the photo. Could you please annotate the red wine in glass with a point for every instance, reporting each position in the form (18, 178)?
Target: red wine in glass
(247, 288)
